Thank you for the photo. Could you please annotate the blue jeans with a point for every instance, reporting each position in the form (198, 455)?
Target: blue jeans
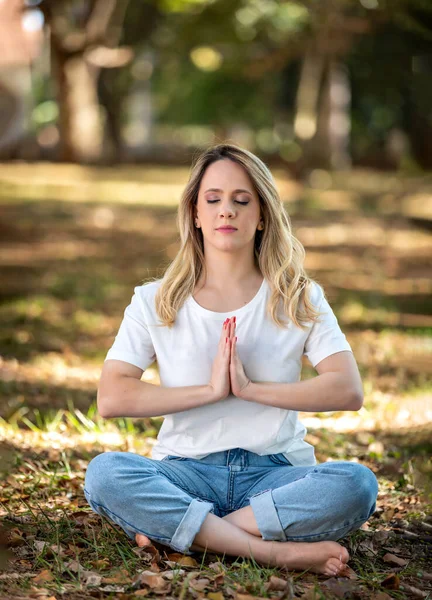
(168, 500)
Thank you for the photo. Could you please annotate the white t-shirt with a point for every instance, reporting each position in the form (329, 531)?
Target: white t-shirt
(185, 355)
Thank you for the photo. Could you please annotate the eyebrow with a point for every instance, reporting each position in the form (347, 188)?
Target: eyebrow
(235, 191)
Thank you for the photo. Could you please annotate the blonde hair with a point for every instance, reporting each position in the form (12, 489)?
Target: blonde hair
(278, 254)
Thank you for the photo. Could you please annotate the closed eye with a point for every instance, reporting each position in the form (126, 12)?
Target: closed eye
(238, 202)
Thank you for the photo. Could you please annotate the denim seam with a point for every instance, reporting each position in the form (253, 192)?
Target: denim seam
(193, 494)
(181, 534)
(260, 503)
(279, 461)
(128, 524)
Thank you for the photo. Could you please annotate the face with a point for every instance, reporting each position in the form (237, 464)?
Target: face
(226, 196)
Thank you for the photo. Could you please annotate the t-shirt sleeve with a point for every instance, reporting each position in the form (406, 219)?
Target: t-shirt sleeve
(133, 343)
(326, 337)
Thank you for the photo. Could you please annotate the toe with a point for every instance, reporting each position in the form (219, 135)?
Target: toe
(344, 555)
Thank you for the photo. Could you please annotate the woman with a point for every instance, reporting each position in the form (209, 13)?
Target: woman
(229, 322)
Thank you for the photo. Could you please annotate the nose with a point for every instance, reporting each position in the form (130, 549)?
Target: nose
(226, 210)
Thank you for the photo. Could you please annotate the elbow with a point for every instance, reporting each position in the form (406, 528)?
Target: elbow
(103, 411)
(356, 401)
(103, 407)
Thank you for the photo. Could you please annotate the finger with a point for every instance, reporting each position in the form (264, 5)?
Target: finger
(232, 327)
(233, 350)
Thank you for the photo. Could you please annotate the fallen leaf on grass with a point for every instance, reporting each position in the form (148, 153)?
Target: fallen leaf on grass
(414, 591)
(368, 547)
(311, 594)
(219, 596)
(276, 583)
(381, 596)
(119, 576)
(44, 576)
(340, 588)
(74, 566)
(91, 578)
(181, 559)
(381, 535)
(101, 563)
(41, 594)
(391, 582)
(173, 573)
(199, 584)
(50, 549)
(391, 558)
(243, 597)
(154, 581)
(218, 567)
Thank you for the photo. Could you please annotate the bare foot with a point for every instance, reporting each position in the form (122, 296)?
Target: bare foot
(142, 540)
(327, 558)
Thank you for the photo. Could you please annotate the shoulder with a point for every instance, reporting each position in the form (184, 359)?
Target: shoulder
(146, 292)
(316, 293)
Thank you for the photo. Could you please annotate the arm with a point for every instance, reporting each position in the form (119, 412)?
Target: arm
(337, 387)
(121, 393)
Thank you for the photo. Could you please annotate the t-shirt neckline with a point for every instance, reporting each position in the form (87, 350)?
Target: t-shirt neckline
(218, 315)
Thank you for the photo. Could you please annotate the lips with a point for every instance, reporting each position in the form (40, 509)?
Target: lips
(227, 229)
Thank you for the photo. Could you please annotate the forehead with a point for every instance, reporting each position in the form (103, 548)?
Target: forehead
(226, 175)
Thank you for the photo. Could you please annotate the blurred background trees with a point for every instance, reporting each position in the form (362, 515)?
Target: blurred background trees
(310, 84)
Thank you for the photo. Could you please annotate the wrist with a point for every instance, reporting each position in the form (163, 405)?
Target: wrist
(210, 395)
(247, 392)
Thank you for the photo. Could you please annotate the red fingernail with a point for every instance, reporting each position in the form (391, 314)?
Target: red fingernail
(234, 319)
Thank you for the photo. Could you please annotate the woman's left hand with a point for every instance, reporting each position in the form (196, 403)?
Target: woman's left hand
(238, 377)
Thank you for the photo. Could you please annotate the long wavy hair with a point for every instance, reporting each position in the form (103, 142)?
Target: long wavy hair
(278, 254)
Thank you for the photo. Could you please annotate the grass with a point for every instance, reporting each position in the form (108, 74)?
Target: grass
(60, 545)
(70, 255)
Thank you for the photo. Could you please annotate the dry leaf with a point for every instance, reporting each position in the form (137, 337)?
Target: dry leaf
(276, 583)
(170, 574)
(414, 591)
(311, 594)
(119, 576)
(199, 584)
(101, 563)
(43, 576)
(91, 578)
(218, 567)
(340, 588)
(388, 514)
(391, 558)
(181, 559)
(74, 566)
(216, 596)
(154, 581)
(391, 582)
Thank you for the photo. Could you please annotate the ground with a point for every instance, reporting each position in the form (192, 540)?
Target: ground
(74, 242)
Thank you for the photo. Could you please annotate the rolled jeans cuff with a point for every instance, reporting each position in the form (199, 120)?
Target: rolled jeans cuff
(191, 523)
(267, 517)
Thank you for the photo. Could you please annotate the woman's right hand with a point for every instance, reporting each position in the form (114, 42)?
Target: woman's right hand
(220, 382)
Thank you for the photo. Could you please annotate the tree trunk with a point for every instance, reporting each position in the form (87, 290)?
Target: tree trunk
(307, 104)
(334, 121)
(322, 122)
(80, 123)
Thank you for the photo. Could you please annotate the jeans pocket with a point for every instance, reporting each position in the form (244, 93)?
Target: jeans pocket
(173, 457)
(279, 459)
